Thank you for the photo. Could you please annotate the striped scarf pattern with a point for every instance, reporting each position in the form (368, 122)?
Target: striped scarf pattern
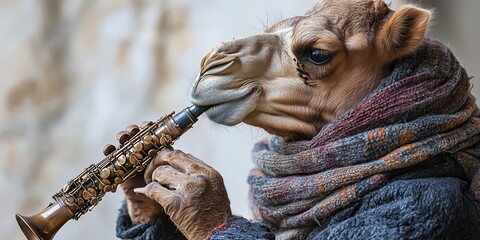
(422, 109)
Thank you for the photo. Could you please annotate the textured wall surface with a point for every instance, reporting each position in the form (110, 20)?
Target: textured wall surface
(456, 24)
(73, 73)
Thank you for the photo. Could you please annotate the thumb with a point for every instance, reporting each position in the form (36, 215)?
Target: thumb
(157, 192)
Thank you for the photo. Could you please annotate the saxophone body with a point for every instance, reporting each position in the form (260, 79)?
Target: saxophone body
(86, 190)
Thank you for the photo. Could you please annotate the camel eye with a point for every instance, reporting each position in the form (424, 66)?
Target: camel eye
(319, 56)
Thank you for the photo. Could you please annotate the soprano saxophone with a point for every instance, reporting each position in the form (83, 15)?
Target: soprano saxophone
(83, 193)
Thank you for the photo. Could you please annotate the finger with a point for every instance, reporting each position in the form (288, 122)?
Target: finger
(157, 192)
(198, 161)
(170, 177)
(163, 157)
(186, 162)
(156, 162)
(109, 148)
(184, 184)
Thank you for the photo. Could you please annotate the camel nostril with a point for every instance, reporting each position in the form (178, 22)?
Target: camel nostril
(218, 67)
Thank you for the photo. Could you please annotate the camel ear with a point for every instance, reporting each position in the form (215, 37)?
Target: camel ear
(403, 32)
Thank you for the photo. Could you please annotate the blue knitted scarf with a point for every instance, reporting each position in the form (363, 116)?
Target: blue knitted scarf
(423, 108)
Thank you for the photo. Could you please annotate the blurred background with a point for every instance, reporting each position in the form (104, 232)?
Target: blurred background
(74, 73)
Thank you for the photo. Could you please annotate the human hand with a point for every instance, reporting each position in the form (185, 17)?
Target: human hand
(191, 192)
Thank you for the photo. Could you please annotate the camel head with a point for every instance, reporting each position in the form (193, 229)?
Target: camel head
(305, 71)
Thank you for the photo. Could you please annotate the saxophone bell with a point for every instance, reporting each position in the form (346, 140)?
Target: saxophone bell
(44, 225)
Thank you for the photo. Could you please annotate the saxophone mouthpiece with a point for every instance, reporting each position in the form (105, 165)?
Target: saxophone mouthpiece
(197, 110)
(188, 116)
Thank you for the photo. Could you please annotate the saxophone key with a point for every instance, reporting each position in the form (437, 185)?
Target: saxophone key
(147, 139)
(118, 180)
(168, 137)
(139, 156)
(117, 165)
(163, 141)
(122, 159)
(138, 147)
(105, 173)
(147, 146)
(66, 187)
(132, 159)
(128, 156)
(93, 201)
(106, 182)
(109, 148)
(103, 183)
(120, 173)
(86, 195)
(146, 124)
(107, 188)
(70, 201)
(123, 137)
(89, 193)
(133, 129)
(155, 139)
(152, 153)
(92, 191)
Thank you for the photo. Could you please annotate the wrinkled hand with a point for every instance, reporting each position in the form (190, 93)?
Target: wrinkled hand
(191, 192)
(140, 208)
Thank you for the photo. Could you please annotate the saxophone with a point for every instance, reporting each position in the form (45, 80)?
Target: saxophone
(85, 191)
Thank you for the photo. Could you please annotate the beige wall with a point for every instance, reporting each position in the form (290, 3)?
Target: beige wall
(457, 24)
(73, 73)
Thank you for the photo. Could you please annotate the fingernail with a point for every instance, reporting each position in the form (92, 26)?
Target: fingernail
(139, 190)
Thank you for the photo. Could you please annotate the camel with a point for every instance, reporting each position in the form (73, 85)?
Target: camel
(305, 71)
(299, 75)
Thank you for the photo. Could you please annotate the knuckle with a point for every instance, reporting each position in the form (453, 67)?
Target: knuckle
(160, 170)
(164, 153)
(214, 173)
(156, 172)
(194, 167)
(192, 183)
(209, 173)
(177, 154)
(201, 181)
(197, 182)
(192, 191)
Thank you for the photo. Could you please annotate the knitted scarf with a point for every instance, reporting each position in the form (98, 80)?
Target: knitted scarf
(421, 109)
